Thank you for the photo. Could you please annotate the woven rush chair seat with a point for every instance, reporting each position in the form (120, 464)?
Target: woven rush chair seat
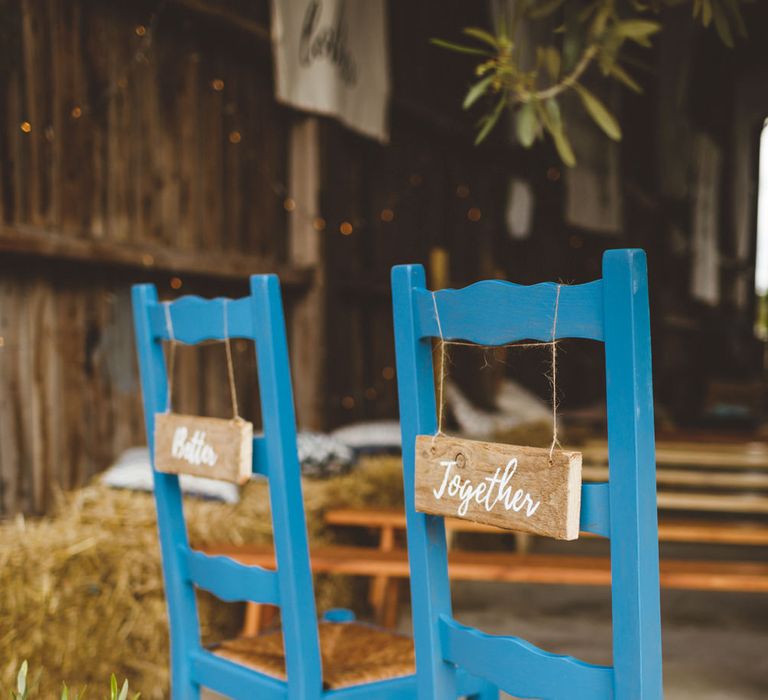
(352, 653)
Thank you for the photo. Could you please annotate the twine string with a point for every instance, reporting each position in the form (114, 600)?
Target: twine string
(555, 441)
(230, 364)
(171, 353)
(441, 383)
(172, 359)
(553, 369)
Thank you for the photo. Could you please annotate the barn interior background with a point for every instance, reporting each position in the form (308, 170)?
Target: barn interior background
(142, 142)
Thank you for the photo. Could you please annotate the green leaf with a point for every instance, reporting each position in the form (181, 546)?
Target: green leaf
(738, 19)
(552, 61)
(459, 48)
(482, 35)
(113, 687)
(638, 30)
(123, 691)
(599, 112)
(545, 8)
(621, 75)
(563, 146)
(552, 112)
(21, 679)
(64, 692)
(489, 121)
(721, 25)
(477, 91)
(526, 124)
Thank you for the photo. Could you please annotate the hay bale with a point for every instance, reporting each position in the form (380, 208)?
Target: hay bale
(81, 592)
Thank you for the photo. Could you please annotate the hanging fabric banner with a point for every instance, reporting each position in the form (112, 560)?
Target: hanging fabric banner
(331, 57)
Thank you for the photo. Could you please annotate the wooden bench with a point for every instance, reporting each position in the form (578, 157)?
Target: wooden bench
(709, 493)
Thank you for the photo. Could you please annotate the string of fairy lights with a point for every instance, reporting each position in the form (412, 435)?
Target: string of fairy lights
(346, 226)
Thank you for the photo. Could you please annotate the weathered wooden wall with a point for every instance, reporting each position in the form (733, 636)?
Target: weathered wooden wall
(121, 161)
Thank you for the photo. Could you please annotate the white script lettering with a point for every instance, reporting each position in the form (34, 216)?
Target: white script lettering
(492, 490)
(195, 450)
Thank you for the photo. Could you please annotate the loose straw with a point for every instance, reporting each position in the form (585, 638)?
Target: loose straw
(552, 343)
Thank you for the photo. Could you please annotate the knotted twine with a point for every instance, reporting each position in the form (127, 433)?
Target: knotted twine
(172, 356)
(553, 376)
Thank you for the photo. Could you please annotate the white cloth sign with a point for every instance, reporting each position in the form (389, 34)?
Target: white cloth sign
(705, 272)
(331, 57)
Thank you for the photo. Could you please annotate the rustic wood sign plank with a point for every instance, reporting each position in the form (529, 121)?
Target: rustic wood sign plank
(511, 487)
(215, 448)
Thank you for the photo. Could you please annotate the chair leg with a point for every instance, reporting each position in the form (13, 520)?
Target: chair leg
(391, 613)
(184, 689)
(380, 584)
(489, 692)
(257, 618)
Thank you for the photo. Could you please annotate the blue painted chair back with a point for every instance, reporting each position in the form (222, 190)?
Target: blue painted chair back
(258, 317)
(613, 310)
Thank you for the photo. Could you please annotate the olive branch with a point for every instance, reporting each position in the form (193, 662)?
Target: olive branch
(591, 33)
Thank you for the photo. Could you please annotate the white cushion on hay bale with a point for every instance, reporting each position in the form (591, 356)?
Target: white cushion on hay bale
(515, 405)
(320, 456)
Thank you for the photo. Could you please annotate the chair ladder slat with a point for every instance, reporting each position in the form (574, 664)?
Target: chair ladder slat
(528, 312)
(260, 458)
(195, 319)
(234, 680)
(230, 580)
(596, 509)
(520, 668)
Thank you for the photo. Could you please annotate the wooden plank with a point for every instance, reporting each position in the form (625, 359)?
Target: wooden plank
(214, 11)
(305, 249)
(708, 455)
(515, 568)
(512, 487)
(214, 448)
(720, 503)
(43, 243)
(701, 531)
(731, 480)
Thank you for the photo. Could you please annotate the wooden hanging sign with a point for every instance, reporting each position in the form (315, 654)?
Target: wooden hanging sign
(215, 448)
(511, 487)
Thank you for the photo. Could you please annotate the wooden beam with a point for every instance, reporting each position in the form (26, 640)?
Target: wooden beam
(740, 532)
(515, 568)
(306, 249)
(43, 243)
(705, 455)
(214, 11)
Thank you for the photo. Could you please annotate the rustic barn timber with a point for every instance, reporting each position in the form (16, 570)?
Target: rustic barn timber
(140, 142)
(120, 163)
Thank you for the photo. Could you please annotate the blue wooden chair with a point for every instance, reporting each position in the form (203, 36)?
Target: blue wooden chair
(271, 665)
(613, 310)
